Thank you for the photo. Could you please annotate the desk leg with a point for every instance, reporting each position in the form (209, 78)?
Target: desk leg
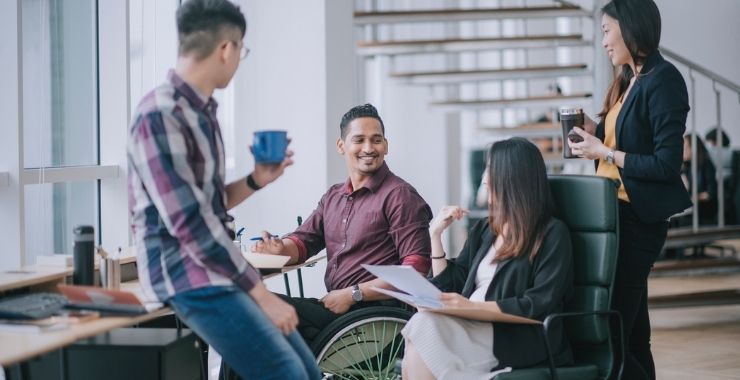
(287, 284)
(25, 368)
(300, 283)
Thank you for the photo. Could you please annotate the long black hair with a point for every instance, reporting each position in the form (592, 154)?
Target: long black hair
(520, 197)
(639, 23)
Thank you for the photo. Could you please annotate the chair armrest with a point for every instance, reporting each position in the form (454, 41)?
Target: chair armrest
(613, 316)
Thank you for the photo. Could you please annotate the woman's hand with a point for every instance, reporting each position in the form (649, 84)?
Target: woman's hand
(455, 301)
(590, 148)
(445, 217)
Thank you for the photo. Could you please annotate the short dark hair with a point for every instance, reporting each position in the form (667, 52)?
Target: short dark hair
(202, 24)
(365, 110)
(712, 136)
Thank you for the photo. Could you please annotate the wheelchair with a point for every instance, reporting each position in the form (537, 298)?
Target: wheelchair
(362, 344)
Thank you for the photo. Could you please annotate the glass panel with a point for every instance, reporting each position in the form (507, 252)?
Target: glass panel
(52, 211)
(59, 83)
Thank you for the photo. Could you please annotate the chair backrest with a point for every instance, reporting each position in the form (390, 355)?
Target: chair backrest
(589, 206)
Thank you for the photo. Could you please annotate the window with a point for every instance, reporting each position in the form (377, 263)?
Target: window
(60, 121)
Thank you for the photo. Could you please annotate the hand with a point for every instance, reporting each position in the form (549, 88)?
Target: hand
(269, 244)
(264, 174)
(590, 148)
(279, 312)
(455, 301)
(338, 301)
(445, 217)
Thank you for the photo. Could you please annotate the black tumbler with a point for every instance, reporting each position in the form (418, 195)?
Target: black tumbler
(84, 251)
(569, 118)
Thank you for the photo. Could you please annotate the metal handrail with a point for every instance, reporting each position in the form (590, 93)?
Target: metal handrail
(716, 79)
(701, 70)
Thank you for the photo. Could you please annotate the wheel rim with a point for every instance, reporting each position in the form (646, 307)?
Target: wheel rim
(366, 349)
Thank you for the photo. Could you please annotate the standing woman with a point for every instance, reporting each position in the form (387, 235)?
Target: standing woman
(639, 141)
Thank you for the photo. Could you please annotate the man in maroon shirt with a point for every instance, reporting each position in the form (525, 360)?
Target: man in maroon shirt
(374, 217)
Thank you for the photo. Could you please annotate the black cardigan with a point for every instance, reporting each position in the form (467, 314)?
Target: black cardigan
(650, 130)
(531, 290)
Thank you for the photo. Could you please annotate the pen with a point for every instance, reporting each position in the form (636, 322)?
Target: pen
(260, 237)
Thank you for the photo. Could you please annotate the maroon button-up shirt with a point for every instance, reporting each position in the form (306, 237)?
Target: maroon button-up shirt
(385, 222)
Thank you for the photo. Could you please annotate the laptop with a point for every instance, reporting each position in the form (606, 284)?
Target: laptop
(104, 300)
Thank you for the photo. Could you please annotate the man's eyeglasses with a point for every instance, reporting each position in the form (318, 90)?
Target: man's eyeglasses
(244, 51)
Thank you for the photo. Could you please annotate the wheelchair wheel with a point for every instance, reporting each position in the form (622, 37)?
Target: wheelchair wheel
(363, 344)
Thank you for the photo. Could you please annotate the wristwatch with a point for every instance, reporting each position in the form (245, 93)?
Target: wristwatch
(610, 157)
(356, 293)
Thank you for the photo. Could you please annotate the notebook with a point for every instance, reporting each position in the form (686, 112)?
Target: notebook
(107, 301)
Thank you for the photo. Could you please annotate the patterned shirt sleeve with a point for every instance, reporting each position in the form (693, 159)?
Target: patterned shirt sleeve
(159, 154)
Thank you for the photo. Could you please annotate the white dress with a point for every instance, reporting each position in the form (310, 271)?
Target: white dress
(452, 347)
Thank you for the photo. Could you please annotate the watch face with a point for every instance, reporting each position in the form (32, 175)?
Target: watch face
(356, 295)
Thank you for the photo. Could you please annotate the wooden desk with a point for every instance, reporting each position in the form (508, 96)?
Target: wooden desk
(18, 347)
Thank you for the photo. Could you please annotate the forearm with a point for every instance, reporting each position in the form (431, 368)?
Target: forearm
(291, 250)
(370, 294)
(490, 306)
(439, 264)
(237, 192)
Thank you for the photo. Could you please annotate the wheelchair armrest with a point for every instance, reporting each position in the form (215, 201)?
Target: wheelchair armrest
(613, 316)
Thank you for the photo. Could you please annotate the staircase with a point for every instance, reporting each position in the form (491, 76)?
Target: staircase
(504, 95)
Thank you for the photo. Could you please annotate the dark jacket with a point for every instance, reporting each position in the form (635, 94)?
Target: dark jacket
(650, 130)
(531, 290)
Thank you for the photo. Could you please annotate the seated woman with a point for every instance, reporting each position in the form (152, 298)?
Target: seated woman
(519, 262)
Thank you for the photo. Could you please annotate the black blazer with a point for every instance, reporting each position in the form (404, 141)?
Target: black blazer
(531, 290)
(650, 130)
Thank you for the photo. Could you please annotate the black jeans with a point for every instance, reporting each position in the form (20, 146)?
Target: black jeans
(639, 246)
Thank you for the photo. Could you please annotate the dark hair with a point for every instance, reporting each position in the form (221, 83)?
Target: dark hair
(365, 110)
(520, 197)
(712, 136)
(701, 150)
(202, 24)
(639, 23)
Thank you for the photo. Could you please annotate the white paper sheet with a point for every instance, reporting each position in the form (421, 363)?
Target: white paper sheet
(409, 281)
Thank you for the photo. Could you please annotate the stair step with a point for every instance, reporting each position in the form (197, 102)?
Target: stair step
(448, 15)
(461, 76)
(369, 48)
(546, 129)
(532, 101)
(708, 298)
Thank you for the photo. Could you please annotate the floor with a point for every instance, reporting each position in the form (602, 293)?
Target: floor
(698, 342)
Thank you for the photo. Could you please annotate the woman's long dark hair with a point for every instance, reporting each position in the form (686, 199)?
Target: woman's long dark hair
(520, 197)
(639, 22)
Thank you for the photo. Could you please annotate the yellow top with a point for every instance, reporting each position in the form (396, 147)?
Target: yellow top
(610, 140)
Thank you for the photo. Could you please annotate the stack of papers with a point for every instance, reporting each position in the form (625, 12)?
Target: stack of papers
(416, 291)
(265, 261)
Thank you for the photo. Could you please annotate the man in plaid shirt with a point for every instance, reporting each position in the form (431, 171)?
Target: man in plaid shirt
(178, 202)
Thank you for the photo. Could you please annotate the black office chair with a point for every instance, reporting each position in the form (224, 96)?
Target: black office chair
(588, 205)
(362, 344)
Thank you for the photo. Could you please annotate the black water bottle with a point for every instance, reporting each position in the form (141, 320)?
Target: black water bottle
(84, 237)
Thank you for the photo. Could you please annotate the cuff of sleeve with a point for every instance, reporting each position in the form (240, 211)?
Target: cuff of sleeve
(420, 263)
(302, 251)
(247, 279)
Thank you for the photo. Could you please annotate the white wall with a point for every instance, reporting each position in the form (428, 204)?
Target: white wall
(299, 76)
(706, 32)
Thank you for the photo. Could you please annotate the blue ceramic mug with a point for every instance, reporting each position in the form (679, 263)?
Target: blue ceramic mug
(269, 146)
